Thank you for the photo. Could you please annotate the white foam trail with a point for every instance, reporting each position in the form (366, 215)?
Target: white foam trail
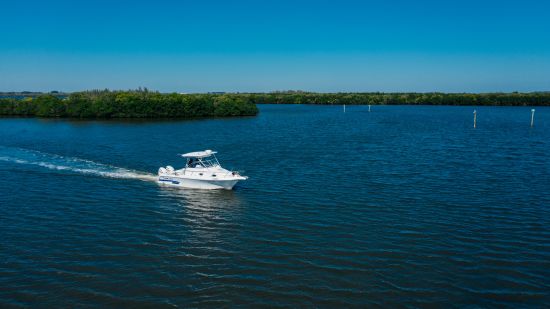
(69, 164)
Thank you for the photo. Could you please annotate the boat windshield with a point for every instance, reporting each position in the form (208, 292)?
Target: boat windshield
(207, 162)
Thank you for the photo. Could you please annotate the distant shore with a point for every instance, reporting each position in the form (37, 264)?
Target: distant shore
(125, 104)
(380, 98)
(142, 103)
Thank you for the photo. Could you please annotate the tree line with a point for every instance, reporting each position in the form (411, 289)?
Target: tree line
(142, 103)
(379, 98)
(128, 104)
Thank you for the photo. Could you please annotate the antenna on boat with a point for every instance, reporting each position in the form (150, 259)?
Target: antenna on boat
(344, 108)
(369, 108)
(475, 116)
(532, 117)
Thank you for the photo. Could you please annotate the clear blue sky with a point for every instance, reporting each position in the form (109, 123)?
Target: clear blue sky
(199, 46)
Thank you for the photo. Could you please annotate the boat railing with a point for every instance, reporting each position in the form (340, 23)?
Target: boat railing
(187, 172)
(200, 173)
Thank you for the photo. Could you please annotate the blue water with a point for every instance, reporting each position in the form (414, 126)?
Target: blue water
(405, 205)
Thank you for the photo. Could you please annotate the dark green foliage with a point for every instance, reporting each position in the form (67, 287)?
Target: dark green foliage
(146, 104)
(232, 105)
(129, 104)
(435, 98)
(49, 106)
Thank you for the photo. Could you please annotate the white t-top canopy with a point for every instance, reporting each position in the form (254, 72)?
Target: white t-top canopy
(199, 154)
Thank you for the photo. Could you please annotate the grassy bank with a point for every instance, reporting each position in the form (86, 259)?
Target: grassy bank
(128, 104)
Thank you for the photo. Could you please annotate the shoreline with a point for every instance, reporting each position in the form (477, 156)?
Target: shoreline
(145, 104)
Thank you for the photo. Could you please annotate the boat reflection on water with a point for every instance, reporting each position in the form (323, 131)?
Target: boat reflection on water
(203, 200)
(208, 218)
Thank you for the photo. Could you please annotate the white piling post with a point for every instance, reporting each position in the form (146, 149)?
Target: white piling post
(475, 116)
(344, 108)
(369, 108)
(532, 117)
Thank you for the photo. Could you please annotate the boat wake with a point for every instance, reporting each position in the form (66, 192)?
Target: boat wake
(70, 164)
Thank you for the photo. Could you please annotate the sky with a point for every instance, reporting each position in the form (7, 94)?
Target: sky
(261, 46)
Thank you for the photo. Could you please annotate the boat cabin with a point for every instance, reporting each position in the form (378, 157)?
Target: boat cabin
(201, 159)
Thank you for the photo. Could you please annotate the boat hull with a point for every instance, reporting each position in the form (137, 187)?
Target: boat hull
(215, 184)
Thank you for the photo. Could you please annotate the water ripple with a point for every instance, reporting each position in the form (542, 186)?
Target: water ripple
(401, 207)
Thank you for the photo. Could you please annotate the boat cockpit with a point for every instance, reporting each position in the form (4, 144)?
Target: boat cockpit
(201, 163)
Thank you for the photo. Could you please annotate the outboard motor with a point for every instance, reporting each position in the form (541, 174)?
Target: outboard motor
(162, 170)
(170, 169)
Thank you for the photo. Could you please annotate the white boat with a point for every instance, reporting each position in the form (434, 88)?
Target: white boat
(202, 171)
